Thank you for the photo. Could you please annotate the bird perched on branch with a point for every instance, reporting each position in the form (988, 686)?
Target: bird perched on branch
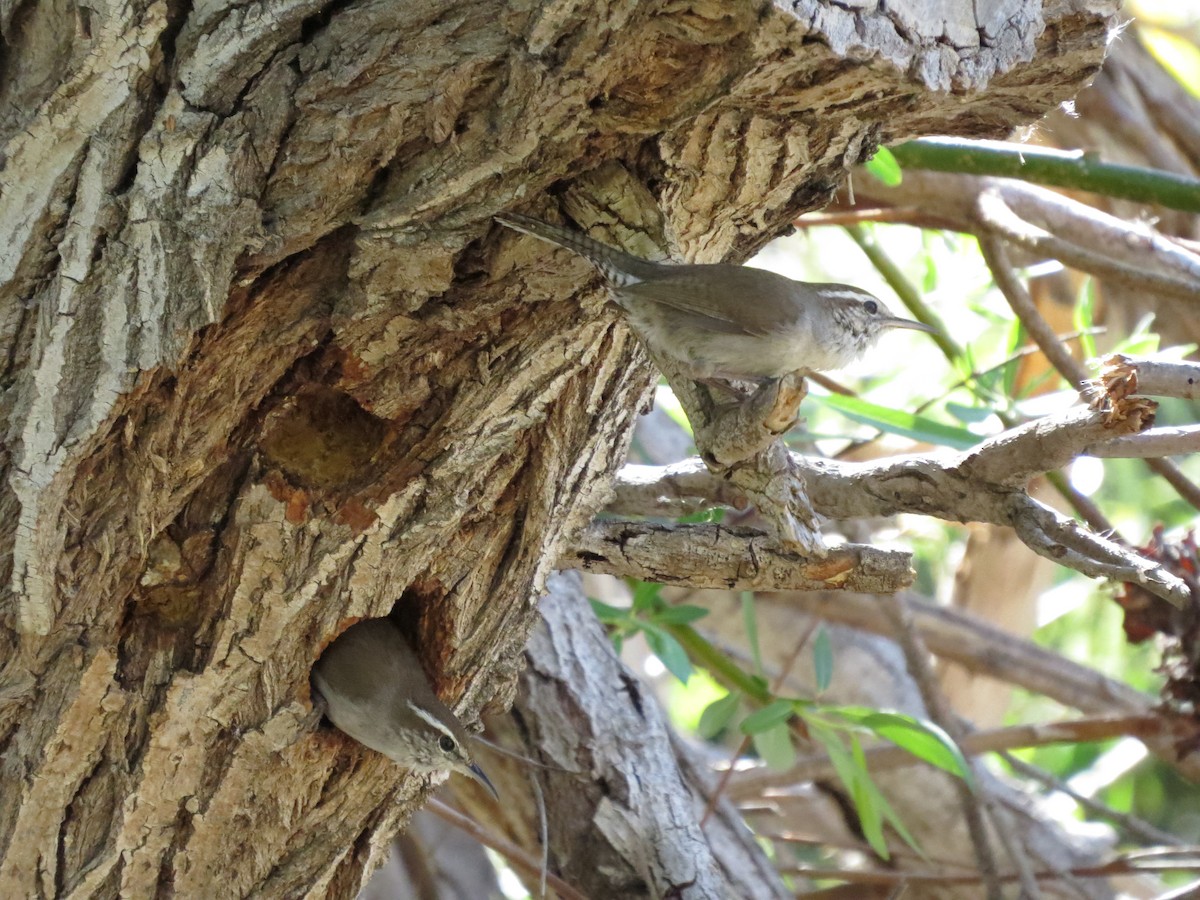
(727, 321)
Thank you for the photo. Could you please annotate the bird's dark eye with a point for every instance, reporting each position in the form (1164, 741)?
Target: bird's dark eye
(871, 306)
(447, 744)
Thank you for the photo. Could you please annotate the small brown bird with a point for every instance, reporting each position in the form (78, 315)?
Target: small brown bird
(726, 321)
(376, 691)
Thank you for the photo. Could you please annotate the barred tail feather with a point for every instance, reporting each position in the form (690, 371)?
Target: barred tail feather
(619, 267)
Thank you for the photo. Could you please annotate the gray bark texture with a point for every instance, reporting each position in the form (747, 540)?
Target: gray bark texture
(267, 367)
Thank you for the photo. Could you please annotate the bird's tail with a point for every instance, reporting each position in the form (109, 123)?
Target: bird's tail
(620, 268)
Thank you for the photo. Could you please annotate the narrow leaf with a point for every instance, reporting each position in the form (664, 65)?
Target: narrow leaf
(669, 651)
(775, 747)
(968, 415)
(879, 804)
(774, 713)
(703, 516)
(923, 740)
(608, 614)
(856, 781)
(645, 595)
(680, 615)
(906, 424)
(868, 802)
(1085, 307)
(717, 715)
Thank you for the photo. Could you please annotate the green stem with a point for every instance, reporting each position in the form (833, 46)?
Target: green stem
(723, 669)
(1074, 169)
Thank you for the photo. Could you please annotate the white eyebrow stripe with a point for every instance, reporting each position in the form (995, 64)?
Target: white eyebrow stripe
(850, 295)
(432, 721)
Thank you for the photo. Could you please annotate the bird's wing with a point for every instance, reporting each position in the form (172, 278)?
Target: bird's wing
(723, 299)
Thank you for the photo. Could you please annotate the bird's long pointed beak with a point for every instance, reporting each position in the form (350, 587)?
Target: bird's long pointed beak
(913, 324)
(477, 774)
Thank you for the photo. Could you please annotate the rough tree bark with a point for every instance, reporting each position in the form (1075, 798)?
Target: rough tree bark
(267, 367)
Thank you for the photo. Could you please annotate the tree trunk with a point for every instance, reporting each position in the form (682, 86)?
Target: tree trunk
(269, 367)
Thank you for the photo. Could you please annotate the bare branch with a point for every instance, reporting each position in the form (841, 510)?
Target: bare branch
(747, 428)
(1157, 270)
(1132, 242)
(1127, 375)
(1151, 725)
(715, 556)
(1109, 396)
(1065, 541)
(981, 648)
(984, 484)
(975, 806)
(745, 449)
(1043, 445)
(513, 855)
(1156, 442)
(1015, 292)
(1131, 825)
(675, 490)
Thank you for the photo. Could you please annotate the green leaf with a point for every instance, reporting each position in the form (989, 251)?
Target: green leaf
(750, 623)
(857, 782)
(906, 424)
(865, 795)
(717, 715)
(645, 595)
(923, 740)
(883, 166)
(822, 659)
(968, 415)
(775, 747)
(669, 650)
(878, 802)
(680, 615)
(608, 614)
(774, 713)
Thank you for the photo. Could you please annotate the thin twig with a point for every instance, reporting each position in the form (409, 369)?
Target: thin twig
(1119, 866)
(514, 855)
(1131, 825)
(1022, 304)
(784, 672)
(1143, 726)
(1156, 442)
(897, 215)
(544, 831)
(917, 658)
(996, 257)
(998, 218)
